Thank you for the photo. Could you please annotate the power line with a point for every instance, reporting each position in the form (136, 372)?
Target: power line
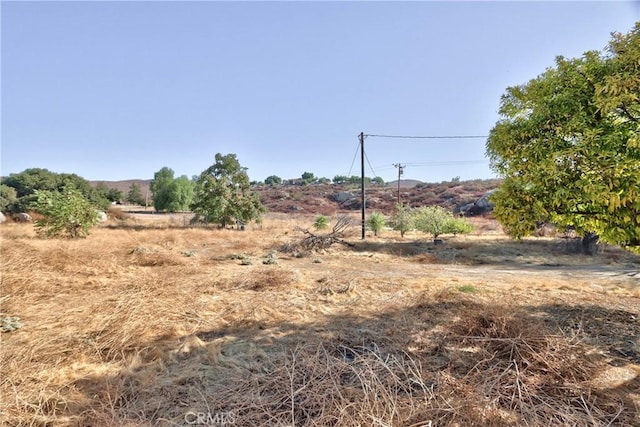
(361, 139)
(446, 163)
(369, 163)
(443, 163)
(354, 158)
(428, 137)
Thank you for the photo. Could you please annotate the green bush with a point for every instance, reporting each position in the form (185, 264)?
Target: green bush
(321, 223)
(458, 226)
(402, 221)
(376, 222)
(433, 220)
(65, 213)
(8, 196)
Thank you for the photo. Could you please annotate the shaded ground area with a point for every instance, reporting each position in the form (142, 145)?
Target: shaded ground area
(445, 359)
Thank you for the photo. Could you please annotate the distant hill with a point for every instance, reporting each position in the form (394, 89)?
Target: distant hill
(328, 199)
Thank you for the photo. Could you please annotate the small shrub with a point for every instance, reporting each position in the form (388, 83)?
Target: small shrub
(458, 226)
(470, 289)
(321, 223)
(402, 221)
(10, 324)
(376, 222)
(118, 214)
(432, 220)
(270, 259)
(65, 212)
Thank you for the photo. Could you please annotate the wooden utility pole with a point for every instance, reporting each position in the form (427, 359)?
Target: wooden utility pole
(362, 181)
(400, 168)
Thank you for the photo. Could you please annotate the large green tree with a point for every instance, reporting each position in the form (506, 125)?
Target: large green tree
(273, 180)
(223, 194)
(135, 196)
(110, 194)
(568, 146)
(27, 182)
(171, 194)
(161, 188)
(8, 197)
(181, 194)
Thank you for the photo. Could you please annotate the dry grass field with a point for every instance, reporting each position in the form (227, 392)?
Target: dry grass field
(148, 323)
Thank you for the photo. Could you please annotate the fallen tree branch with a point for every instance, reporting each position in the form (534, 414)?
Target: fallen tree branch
(317, 242)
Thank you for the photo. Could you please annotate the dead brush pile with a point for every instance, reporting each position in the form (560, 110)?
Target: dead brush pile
(499, 369)
(525, 374)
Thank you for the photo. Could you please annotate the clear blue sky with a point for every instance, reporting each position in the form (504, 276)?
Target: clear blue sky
(117, 90)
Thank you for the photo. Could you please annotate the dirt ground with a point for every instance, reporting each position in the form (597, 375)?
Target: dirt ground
(146, 322)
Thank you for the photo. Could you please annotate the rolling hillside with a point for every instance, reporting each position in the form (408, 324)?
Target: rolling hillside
(330, 198)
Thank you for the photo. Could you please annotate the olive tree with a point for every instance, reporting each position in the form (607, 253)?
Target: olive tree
(403, 220)
(432, 220)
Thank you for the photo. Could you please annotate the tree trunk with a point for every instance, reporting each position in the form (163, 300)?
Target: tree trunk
(590, 243)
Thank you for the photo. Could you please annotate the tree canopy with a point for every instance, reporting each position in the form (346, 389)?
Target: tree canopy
(171, 194)
(135, 196)
(568, 146)
(27, 182)
(273, 180)
(222, 194)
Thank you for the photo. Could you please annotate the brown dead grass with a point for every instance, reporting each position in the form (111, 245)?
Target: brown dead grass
(138, 326)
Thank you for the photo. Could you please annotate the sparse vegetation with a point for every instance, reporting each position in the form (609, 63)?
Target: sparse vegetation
(126, 329)
(468, 289)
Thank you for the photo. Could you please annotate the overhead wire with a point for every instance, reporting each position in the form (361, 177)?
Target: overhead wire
(427, 137)
(355, 155)
(422, 164)
(369, 163)
(442, 163)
